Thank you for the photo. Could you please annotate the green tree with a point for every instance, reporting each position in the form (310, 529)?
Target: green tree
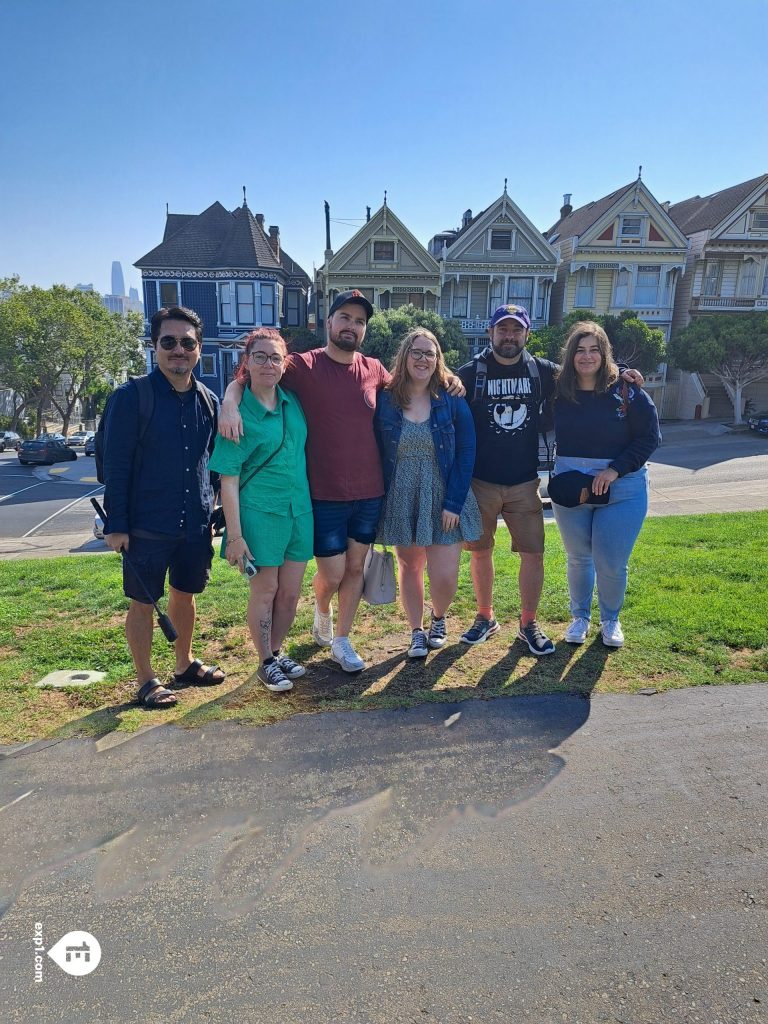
(59, 345)
(388, 327)
(734, 347)
(634, 343)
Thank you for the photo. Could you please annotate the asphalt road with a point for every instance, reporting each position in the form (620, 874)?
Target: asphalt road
(540, 859)
(46, 500)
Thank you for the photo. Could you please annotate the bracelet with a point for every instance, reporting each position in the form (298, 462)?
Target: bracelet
(231, 539)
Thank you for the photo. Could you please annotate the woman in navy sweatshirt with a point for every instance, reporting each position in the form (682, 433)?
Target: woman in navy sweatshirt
(607, 429)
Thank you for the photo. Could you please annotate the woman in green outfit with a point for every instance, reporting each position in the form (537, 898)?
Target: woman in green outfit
(265, 495)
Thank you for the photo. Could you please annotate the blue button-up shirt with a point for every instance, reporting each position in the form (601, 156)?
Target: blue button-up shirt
(164, 488)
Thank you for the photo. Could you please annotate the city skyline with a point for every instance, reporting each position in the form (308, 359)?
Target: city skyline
(556, 100)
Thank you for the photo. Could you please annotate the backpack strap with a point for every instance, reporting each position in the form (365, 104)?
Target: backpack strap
(481, 374)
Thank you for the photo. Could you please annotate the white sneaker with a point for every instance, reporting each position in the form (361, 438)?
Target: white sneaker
(577, 631)
(418, 648)
(344, 654)
(613, 635)
(322, 627)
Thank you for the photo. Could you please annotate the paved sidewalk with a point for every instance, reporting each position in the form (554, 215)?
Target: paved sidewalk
(547, 859)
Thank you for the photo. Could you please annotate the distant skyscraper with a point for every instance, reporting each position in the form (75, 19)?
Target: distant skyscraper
(118, 284)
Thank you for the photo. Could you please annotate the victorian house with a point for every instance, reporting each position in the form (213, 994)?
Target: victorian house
(384, 260)
(623, 251)
(493, 258)
(726, 272)
(233, 273)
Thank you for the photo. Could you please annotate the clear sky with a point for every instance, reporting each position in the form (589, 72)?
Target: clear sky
(111, 110)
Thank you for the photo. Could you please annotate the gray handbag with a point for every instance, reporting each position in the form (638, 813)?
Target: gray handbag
(379, 585)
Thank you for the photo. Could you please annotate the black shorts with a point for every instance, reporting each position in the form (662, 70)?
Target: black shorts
(187, 562)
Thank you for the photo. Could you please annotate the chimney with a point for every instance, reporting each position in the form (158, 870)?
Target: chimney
(274, 240)
(466, 218)
(328, 250)
(566, 208)
(367, 214)
(260, 219)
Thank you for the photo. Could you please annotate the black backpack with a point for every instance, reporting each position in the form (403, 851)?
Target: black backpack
(146, 395)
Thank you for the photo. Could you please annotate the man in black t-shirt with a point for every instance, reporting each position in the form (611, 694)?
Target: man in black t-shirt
(505, 388)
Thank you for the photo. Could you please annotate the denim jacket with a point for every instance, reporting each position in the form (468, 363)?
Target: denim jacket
(453, 434)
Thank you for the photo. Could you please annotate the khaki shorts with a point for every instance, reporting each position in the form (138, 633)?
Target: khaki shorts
(521, 509)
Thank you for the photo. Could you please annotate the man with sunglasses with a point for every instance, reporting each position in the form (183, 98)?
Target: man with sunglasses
(158, 435)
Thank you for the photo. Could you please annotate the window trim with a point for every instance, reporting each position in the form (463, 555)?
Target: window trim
(631, 234)
(636, 301)
(220, 304)
(512, 238)
(177, 286)
(386, 240)
(252, 303)
(269, 305)
(584, 305)
(203, 371)
(454, 313)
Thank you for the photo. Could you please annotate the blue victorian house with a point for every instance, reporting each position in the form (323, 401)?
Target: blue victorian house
(232, 273)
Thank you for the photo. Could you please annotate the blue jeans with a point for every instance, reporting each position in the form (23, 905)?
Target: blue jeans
(598, 540)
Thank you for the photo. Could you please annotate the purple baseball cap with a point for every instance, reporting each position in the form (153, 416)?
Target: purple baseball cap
(519, 313)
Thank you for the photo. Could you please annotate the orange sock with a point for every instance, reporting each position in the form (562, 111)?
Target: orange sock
(487, 613)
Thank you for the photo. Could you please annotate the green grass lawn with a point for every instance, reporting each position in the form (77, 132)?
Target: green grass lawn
(695, 615)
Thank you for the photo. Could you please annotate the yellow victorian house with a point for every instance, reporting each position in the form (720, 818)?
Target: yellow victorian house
(620, 252)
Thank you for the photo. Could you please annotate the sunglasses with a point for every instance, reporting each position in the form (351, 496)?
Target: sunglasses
(261, 358)
(422, 355)
(168, 343)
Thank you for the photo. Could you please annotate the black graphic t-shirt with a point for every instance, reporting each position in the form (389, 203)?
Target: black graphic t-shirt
(507, 419)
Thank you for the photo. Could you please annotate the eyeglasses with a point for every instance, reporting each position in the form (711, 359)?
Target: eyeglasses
(261, 358)
(422, 355)
(168, 343)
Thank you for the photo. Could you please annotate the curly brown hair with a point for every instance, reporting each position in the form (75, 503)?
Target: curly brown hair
(565, 380)
(400, 385)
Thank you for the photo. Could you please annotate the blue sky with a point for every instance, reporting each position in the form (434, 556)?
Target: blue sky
(112, 110)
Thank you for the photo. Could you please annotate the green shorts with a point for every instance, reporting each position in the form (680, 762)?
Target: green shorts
(274, 539)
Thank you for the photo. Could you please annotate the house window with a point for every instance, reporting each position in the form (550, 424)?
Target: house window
(760, 221)
(460, 298)
(585, 289)
(268, 305)
(169, 293)
(711, 284)
(647, 286)
(520, 291)
(765, 279)
(501, 240)
(621, 289)
(384, 252)
(207, 365)
(225, 303)
(631, 226)
(747, 286)
(291, 308)
(495, 300)
(245, 305)
(384, 300)
(416, 299)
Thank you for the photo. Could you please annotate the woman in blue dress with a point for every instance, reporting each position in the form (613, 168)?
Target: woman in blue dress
(427, 442)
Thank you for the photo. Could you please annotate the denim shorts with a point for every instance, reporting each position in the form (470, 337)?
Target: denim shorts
(338, 521)
(187, 562)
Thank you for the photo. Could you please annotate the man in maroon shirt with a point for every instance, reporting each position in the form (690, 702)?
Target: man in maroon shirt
(337, 389)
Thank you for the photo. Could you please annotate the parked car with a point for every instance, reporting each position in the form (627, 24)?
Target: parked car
(90, 445)
(758, 422)
(78, 439)
(46, 449)
(9, 439)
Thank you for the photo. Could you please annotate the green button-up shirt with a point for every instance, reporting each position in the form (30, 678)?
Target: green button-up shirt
(281, 487)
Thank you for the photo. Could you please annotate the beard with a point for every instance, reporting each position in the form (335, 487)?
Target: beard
(508, 349)
(346, 342)
(179, 368)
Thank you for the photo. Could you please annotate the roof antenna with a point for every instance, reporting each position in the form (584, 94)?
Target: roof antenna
(505, 186)
(245, 201)
(166, 209)
(385, 197)
(640, 172)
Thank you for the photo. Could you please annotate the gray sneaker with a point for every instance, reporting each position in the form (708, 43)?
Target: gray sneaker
(418, 648)
(344, 654)
(290, 668)
(436, 637)
(322, 627)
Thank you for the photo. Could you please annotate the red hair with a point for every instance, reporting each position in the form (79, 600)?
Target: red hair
(242, 376)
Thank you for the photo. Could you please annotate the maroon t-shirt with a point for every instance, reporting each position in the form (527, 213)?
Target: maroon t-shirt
(339, 400)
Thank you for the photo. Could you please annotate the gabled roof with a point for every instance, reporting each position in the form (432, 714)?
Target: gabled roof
(577, 222)
(214, 238)
(506, 206)
(384, 214)
(697, 214)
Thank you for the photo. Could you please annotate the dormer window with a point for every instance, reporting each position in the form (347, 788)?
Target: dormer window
(760, 221)
(631, 226)
(383, 252)
(502, 240)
